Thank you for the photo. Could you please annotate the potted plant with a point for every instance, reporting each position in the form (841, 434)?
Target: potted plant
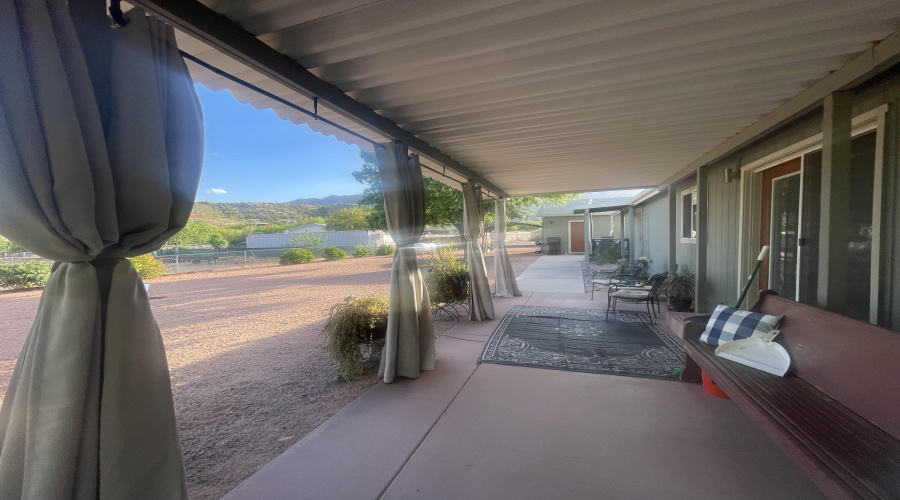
(447, 280)
(645, 266)
(355, 331)
(679, 287)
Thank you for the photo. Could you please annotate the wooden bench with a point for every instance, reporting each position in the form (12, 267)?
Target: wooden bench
(837, 411)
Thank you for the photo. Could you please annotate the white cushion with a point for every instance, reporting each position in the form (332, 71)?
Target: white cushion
(631, 294)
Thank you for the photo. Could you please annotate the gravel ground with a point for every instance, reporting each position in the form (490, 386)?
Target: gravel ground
(250, 373)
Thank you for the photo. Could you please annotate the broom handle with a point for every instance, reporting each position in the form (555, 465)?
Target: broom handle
(759, 261)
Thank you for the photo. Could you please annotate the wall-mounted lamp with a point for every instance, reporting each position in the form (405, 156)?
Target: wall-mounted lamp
(731, 175)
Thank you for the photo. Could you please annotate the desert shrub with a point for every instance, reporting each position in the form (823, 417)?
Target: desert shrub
(354, 331)
(314, 242)
(24, 274)
(384, 250)
(147, 266)
(333, 253)
(295, 256)
(361, 252)
(447, 280)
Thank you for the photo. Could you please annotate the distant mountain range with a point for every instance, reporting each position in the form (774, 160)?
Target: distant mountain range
(330, 200)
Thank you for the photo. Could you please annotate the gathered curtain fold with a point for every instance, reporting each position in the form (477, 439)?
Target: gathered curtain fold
(409, 341)
(505, 284)
(100, 154)
(481, 306)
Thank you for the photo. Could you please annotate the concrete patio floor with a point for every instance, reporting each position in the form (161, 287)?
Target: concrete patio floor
(553, 273)
(506, 432)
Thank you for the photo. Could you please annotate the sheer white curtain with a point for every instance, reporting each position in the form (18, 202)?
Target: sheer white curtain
(409, 343)
(100, 153)
(481, 306)
(505, 284)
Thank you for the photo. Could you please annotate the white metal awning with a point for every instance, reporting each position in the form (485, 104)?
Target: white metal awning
(548, 96)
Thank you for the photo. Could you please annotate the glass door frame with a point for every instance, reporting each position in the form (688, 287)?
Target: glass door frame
(799, 247)
(751, 198)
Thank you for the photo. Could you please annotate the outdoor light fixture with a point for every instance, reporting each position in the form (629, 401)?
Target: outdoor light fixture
(732, 175)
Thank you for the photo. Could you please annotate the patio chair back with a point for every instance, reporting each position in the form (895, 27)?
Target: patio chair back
(656, 281)
(629, 270)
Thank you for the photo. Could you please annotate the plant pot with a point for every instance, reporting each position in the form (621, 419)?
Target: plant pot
(680, 305)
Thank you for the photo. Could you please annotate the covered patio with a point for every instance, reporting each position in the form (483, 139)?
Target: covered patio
(469, 430)
(692, 102)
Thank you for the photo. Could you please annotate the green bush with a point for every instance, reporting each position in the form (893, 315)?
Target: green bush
(361, 252)
(447, 280)
(609, 255)
(384, 250)
(295, 256)
(24, 275)
(148, 267)
(354, 331)
(333, 253)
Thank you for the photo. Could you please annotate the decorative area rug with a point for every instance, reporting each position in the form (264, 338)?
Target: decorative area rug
(582, 340)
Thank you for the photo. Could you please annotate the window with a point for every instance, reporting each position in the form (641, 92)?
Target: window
(689, 216)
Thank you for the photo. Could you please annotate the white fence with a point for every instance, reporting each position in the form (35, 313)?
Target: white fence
(332, 239)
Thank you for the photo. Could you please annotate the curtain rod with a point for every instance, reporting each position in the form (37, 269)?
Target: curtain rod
(442, 174)
(274, 97)
(291, 105)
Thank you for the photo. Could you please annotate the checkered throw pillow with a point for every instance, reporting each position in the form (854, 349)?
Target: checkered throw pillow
(727, 324)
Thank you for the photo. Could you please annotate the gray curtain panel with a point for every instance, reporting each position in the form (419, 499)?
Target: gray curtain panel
(505, 284)
(100, 154)
(481, 306)
(409, 344)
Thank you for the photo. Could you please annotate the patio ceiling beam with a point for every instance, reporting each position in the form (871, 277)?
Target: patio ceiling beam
(871, 62)
(219, 32)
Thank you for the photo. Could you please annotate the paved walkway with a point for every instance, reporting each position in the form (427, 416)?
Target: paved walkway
(554, 273)
(501, 432)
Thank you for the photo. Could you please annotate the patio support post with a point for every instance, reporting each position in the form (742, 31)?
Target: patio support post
(834, 217)
(673, 228)
(622, 231)
(631, 249)
(702, 237)
(587, 238)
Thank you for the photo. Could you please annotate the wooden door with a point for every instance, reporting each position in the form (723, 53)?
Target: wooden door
(779, 227)
(576, 236)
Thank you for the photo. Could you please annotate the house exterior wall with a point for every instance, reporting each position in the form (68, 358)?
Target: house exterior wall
(655, 211)
(724, 278)
(558, 226)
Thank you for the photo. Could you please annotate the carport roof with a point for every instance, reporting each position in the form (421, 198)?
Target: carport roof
(539, 96)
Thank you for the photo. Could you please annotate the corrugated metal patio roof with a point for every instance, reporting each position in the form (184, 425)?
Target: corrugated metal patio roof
(547, 96)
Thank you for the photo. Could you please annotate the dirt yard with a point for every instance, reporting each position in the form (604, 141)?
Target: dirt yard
(250, 373)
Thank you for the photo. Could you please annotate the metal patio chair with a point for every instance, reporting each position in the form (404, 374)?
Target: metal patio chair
(630, 272)
(648, 294)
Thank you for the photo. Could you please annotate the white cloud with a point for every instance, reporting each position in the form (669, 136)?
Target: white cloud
(216, 191)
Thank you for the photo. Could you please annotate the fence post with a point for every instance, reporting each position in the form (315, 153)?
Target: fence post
(176, 263)
(245, 257)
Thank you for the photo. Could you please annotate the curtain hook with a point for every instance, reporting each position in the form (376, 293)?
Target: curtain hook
(115, 13)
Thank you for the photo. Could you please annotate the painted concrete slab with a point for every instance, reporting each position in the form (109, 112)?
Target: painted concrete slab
(527, 433)
(358, 451)
(553, 273)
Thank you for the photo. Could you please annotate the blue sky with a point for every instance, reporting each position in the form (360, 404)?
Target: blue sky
(252, 155)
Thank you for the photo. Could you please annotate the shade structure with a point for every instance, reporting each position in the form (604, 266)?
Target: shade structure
(409, 342)
(481, 307)
(100, 155)
(505, 277)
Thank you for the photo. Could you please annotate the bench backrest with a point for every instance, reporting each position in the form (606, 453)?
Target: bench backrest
(856, 363)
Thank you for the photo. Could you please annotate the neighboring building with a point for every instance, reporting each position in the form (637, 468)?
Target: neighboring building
(560, 222)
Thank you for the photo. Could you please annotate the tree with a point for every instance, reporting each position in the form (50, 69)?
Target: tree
(443, 204)
(348, 219)
(218, 241)
(196, 232)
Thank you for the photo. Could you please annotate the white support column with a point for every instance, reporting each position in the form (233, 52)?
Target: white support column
(631, 250)
(587, 238)
(834, 216)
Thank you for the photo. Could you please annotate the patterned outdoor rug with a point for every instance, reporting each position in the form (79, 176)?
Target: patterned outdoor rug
(582, 340)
